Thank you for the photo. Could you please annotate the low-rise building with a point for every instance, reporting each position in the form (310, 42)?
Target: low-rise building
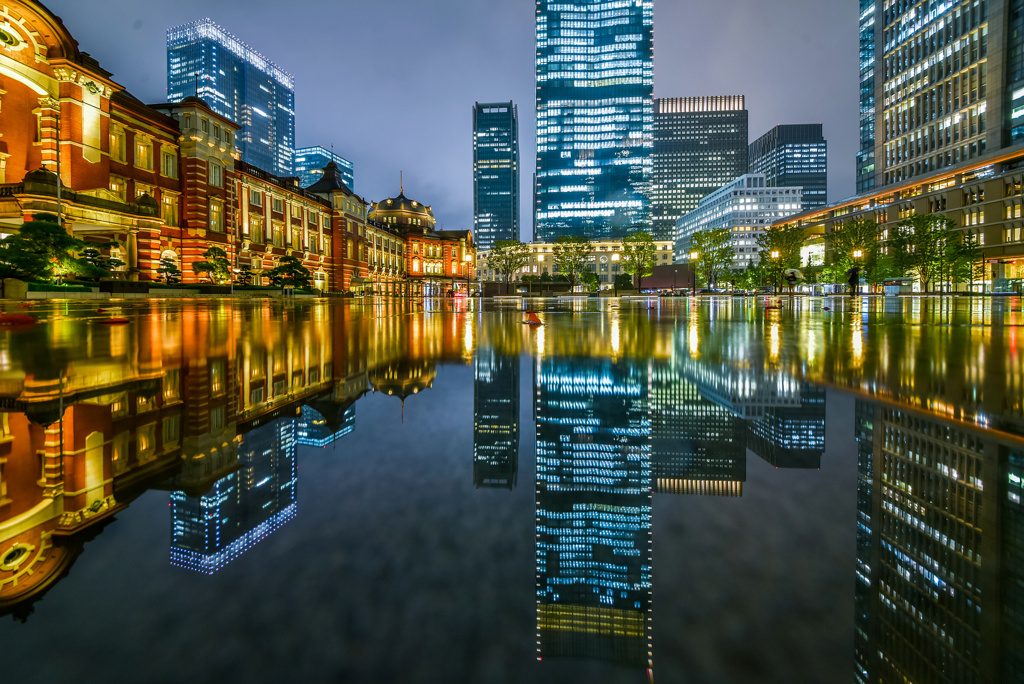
(985, 198)
(605, 260)
(744, 207)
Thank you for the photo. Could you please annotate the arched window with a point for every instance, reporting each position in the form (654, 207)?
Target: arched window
(415, 264)
(455, 267)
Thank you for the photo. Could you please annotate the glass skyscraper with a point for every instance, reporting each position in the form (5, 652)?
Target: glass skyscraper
(495, 173)
(310, 162)
(793, 155)
(595, 121)
(866, 155)
(205, 61)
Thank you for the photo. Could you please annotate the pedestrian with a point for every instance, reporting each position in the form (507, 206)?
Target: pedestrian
(854, 280)
(791, 281)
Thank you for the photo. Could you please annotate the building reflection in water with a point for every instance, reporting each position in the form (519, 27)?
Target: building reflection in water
(318, 428)
(243, 508)
(212, 402)
(939, 579)
(593, 511)
(495, 420)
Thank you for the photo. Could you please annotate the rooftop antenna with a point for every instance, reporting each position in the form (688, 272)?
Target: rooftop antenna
(401, 184)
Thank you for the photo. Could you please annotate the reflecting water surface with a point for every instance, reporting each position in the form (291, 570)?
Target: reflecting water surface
(434, 491)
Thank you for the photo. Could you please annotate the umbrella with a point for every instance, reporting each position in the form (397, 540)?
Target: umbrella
(853, 271)
(795, 272)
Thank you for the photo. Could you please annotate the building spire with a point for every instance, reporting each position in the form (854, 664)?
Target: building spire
(401, 184)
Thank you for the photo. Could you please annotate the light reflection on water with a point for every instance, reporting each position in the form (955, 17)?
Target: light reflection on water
(641, 410)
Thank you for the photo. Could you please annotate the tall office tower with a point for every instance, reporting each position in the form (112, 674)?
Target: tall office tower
(700, 144)
(938, 582)
(593, 510)
(793, 155)
(495, 173)
(309, 163)
(698, 447)
(792, 436)
(495, 419)
(595, 88)
(950, 86)
(866, 154)
(240, 510)
(205, 61)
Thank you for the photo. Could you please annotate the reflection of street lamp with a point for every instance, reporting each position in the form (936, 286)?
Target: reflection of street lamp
(693, 267)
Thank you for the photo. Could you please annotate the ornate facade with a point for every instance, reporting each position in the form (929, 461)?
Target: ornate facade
(165, 181)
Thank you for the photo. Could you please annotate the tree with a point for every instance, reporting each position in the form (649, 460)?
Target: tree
(507, 257)
(18, 259)
(571, 253)
(169, 270)
(785, 244)
(590, 280)
(623, 281)
(290, 272)
(964, 258)
(638, 256)
(918, 244)
(216, 266)
(843, 242)
(49, 240)
(244, 276)
(714, 253)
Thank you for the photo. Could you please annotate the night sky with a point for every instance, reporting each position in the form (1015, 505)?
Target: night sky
(391, 83)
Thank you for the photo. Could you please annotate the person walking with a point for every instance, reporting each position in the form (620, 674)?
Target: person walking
(853, 278)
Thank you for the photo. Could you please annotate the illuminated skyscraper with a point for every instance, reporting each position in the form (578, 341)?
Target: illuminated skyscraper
(939, 548)
(495, 173)
(792, 436)
(595, 126)
(793, 155)
(593, 511)
(309, 163)
(700, 144)
(866, 154)
(206, 61)
(495, 420)
(210, 531)
(697, 446)
(944, 82)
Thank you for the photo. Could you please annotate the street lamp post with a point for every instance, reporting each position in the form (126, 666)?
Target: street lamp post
(857, 254)
(775, 268)
(693, 268)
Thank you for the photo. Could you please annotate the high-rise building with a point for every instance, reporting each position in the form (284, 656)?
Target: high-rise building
(700, 144)
(866, 154)
(205, 61)
(241, 509)
(593, 511)
(698, 447)
(495, 419)
(938, 584)
(792, 436)
(324, 424)
(793, 155)
(950, 86)
(309, 163)
(595, 88)
(495, 173)
(745, 207)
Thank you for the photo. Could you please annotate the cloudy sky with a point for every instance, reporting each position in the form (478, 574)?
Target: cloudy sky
(391, 83)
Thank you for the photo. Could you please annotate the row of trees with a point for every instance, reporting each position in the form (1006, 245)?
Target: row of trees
(571, 256)
(43, 249)
(928, 247)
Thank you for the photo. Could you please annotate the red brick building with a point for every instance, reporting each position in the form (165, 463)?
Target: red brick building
(165, 181)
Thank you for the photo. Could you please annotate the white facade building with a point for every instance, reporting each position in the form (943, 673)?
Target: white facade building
(745, 207)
